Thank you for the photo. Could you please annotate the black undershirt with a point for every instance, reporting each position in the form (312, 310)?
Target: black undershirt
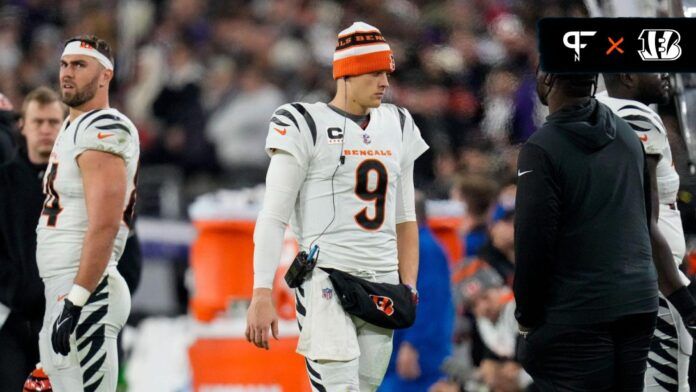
(361, 120)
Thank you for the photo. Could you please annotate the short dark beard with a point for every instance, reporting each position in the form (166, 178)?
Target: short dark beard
(650, 95)
(82, 96)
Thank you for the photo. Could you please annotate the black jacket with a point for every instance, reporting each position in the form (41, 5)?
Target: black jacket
(21, 200)
(6, 142)
(582, 242)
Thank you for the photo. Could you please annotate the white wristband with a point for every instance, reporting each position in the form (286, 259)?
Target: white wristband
(78, 295)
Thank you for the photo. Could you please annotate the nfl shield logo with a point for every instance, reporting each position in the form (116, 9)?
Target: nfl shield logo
(327, 293)
(366, 138)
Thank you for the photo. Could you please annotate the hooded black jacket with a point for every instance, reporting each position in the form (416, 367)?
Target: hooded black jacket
(582, 241)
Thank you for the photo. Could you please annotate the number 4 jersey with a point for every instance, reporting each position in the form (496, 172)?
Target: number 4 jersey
(363, 193)
(63, 221)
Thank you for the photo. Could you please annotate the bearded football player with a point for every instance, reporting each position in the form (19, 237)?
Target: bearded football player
(90, 194)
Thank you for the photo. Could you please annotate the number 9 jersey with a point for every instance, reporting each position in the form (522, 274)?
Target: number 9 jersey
(357, 210)
(63, 221)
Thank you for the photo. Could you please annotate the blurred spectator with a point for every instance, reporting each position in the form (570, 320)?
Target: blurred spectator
(239, 128)
(499, 251)
(476, 156)
(478, 193)
(481, 290)
(179, 109)
(499, 90)
(445, 173)
(420, 350)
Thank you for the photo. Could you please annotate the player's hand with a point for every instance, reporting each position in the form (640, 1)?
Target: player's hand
(64, 326)
(407, 362)
(261, 317)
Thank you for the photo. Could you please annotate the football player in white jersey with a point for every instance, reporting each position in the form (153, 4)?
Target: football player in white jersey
(90, 196)
(343, 172)
(628, 96)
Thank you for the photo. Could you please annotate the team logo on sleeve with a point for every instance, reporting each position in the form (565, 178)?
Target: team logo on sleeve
(384, 304)
(335, 135)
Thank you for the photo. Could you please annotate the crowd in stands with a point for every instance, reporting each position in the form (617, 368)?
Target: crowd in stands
(201, 78)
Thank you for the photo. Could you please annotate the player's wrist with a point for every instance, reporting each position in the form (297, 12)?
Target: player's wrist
(415, 297)
(78, 295)
(261, 293)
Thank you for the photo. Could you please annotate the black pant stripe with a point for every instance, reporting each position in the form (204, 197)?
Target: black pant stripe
(666, 370)
(98, 297)
(299, 325)
(93, 386)
(301, 290)
(92, 370)
(657, 348)
(92, 319)
(299, 307)
(311, 370)
(95, 342)
(317, 385)
(668, 386)
(666, 328)
(99, 293)
(670, 343)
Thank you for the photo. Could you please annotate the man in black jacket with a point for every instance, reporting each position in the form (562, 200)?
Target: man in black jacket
(21, 199)
(585, 285)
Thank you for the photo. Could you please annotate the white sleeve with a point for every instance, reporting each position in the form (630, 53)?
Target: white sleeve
(405, 197)
(283, 182)
(108, 133)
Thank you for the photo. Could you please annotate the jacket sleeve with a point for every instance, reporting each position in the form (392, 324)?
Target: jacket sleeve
(537, 212)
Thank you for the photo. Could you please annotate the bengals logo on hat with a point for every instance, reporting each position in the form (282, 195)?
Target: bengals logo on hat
(384, 304)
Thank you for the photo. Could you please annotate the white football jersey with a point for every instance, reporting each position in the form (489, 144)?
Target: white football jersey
(652, 133)
(362, 196)
(63, 221)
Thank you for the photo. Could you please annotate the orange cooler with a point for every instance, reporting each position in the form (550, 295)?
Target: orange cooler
(236, 364)
(222, 262)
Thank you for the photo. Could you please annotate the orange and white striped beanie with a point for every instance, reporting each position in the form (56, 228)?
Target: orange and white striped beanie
(361, 49)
